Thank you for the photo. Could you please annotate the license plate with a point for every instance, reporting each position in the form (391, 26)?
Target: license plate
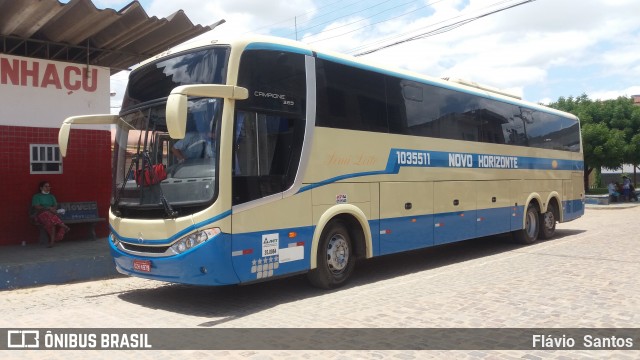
(142, 265)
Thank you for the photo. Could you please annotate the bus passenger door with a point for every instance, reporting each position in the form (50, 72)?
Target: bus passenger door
(494, 210)
(455, 211)
(406, 216)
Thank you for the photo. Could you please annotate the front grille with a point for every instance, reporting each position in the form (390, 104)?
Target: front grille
(145, 249)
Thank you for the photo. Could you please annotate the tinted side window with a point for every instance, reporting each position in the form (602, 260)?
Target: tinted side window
(267, 151)
(456, 113)
(407, 111)
(275, 79)
(350, 98)
(424, 110)
(570, 134)
(551, 131)
(514, 132)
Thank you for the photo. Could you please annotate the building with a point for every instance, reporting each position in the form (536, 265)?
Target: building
(55, 62)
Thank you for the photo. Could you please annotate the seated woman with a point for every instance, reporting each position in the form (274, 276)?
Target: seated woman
(45, 205)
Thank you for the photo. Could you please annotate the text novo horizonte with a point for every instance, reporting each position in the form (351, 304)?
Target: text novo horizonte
(483, 161)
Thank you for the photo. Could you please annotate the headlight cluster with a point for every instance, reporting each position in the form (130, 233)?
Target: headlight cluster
(115, 240)
(192, 240)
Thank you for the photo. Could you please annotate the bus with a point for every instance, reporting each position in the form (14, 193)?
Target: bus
(304, 161)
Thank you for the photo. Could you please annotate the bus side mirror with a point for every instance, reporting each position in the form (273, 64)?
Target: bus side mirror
(177, 103)
(63, 134)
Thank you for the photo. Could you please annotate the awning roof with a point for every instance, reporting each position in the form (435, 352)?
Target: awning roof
(79, 32)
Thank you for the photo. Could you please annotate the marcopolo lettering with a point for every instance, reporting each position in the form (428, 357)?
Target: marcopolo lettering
(47, 75)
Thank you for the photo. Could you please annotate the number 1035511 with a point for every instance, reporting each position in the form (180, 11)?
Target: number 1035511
(414, 158)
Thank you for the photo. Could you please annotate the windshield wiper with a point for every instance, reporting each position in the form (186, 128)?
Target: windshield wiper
(146, 167)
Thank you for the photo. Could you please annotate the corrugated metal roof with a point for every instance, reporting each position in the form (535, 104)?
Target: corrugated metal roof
(81, 33)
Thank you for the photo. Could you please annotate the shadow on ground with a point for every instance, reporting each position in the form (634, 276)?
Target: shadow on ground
(231, 302)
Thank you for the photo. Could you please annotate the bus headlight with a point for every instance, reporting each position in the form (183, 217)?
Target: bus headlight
(115, 240)
(192, 240)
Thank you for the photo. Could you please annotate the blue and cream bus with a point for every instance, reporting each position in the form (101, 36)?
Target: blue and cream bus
(319, 159)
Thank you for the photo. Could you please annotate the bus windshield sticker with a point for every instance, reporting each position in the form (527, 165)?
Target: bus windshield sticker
(270, 244)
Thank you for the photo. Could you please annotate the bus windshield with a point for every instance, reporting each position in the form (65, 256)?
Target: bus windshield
(153, 174)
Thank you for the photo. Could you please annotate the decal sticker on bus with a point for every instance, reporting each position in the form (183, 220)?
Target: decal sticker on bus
(270, 243)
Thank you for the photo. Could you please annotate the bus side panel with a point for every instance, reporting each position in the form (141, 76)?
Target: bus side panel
(455, 211)
(517, 205)
(406, 216)
(272, 239)
(494, 212)
(265, 254)
(567, 204)
(572, 201)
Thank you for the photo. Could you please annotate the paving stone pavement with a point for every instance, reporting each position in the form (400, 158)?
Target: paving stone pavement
(586, 277)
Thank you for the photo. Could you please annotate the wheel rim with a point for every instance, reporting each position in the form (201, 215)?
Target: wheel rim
(337, 254)
(531, 224)
(549, 220)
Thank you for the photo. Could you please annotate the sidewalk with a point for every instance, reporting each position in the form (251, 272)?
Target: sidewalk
(35, 264)
(619, 205)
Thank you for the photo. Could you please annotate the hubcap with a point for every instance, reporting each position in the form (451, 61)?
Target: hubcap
(337, 253)
(549, 220)
(531, 224)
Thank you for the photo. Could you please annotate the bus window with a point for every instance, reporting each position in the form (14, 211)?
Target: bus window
(276, 81)
(266, 154)
(350, 98)
(551, 131)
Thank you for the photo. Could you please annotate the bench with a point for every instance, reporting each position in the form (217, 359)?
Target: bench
(85, 212)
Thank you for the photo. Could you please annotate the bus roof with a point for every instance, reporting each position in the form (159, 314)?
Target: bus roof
(272, 42)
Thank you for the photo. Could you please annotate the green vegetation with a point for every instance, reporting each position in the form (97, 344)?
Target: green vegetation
(597, 191)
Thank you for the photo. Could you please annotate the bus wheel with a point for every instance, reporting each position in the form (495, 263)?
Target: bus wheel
(548, 223)
(336, 259)
(531, 229)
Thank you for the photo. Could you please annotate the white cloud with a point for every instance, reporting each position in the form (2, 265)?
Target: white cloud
(519, 47)
(613, 94)
(241, 16)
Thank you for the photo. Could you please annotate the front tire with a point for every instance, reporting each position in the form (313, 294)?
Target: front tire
(548, 223)
(531, 229)
(335, 259)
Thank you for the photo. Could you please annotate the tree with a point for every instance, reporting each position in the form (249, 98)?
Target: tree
(610, 131)
(602, 147)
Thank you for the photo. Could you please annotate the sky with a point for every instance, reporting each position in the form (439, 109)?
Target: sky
(540, 50)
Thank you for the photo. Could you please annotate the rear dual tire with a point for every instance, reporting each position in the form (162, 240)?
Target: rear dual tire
(529, 234)
(548, 223)
(537, 225)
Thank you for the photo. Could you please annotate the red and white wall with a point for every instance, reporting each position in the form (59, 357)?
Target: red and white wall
(35, 97)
